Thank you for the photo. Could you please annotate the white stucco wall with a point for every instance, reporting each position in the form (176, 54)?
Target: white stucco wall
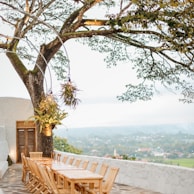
(12, 110)
(166, 179)
(4, 151)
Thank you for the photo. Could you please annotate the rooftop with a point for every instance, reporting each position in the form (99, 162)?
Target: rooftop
(11, 183)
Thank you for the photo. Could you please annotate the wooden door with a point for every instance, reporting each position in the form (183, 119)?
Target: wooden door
(26, 138)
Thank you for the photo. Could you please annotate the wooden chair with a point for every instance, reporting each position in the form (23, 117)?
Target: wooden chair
(40, 187)
(77, 163)
(34, 184)
(53, 155)
(103, 169)
(25, 168)
(30, 180)
(71, 160)
(58, 157)
(44, 187)
(35, 154)
(85, 164)
(93, 166)
(102, 172)
(53, 185)
(59, 178)
(107, 185)
(65, 158)
(46, 180)
(80, 187)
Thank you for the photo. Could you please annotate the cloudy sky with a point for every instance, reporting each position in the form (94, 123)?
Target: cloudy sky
(99, 87)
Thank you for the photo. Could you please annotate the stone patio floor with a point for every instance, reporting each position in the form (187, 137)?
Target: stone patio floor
(11, 184)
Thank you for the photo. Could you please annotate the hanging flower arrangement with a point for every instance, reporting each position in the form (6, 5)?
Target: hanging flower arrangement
(48, 114)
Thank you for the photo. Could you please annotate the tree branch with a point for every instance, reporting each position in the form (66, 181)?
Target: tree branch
(17, 64)
(138, 44)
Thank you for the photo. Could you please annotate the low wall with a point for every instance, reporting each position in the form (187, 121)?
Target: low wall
(166, 179)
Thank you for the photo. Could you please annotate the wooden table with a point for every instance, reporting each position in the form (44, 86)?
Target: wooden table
(61, 166)
(42, 159)
(81, 176)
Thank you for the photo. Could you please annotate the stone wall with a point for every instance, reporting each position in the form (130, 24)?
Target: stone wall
(166, 179)
(4, 151)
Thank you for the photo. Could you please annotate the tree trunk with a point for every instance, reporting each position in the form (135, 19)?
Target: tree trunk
(34, 84)
(47, 145)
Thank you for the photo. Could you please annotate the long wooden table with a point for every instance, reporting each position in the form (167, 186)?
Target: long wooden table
(57, 165)
(73, 175)
(80, 176)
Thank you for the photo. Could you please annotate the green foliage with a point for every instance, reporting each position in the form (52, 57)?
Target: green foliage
(109, 48)
(48, 113)
(185, 162)
(126, 157)
(61, 144)
(140, 92)
(10, 162)
(61, 71)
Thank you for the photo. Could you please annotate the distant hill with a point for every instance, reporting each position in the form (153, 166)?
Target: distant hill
(172, 141)
(124, 130)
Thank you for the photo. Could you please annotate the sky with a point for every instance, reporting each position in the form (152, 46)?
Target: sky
(99, 87)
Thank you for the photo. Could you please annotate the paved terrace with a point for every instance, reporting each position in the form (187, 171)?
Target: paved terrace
(11, 184)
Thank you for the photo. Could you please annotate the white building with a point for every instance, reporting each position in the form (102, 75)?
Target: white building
(11, 110)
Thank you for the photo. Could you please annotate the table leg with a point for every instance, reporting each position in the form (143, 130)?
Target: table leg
(100, 186)
(72, 187)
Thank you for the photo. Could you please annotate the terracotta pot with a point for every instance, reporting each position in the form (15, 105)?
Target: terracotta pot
(47, 131)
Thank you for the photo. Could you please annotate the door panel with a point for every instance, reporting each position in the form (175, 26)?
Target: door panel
(26, 141)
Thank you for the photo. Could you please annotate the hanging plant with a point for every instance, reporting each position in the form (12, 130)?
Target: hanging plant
(68, 94)
(48, 114)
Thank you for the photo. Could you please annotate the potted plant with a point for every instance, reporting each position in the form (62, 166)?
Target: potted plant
(48, 115)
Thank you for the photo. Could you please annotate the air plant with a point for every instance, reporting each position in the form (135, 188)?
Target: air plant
(68, 94)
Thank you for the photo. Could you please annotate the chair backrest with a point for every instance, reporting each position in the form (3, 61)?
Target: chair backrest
(51, 181)
(23, 159)
(65, 159)
(53, 155)
(35, 170)
(93, 166)
(27, 162)
(71, 160)
(22, 154)
(103, 169)
(109, 181)
(35, 154)
(58, 157)
(39, 174)
(85, 164)
(45, 176)
(77, 163)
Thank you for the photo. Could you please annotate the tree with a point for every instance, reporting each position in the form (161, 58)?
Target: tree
(155, 36)
(61, 144)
